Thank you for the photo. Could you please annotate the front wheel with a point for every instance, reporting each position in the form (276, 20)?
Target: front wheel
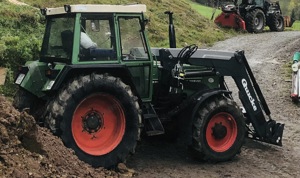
(218, 130)
(98, 117)
(276, 22)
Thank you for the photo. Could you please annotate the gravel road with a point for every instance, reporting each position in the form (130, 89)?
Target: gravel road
(268, 55)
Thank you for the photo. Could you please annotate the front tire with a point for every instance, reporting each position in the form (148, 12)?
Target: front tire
(255, 21)
(218, 130)
(98, 116)
(276, 23)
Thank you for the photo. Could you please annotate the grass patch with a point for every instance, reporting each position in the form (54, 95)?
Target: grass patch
(205, 10)
(296, 25)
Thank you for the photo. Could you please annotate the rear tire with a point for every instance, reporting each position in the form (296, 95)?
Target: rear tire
(98, 117)
(255, 21)
(218, 130)
(276, 22)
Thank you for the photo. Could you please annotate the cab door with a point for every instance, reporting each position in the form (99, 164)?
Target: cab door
(134, 52)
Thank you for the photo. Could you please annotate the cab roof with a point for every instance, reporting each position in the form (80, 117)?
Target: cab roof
(95, 8)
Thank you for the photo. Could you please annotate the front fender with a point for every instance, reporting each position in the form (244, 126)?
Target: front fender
(250, 7)
(203, 96)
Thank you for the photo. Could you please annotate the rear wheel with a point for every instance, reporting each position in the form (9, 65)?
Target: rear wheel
(255, 21)
(98, 117)
(276, 22)
(218, 130)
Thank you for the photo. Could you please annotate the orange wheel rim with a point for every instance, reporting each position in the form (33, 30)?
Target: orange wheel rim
(98, 124)
(221, 132)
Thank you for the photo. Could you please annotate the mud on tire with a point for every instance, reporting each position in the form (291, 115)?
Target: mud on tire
(97, 116)
(25, 100)
(255, 21)
(218, 130)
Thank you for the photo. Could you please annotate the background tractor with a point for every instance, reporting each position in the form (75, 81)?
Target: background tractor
(99, 85)
(251, 15)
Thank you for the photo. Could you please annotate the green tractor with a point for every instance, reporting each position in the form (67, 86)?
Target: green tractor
(98, 85)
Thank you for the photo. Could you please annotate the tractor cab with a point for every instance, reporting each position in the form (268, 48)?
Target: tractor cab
(250, 2)
(98, 34)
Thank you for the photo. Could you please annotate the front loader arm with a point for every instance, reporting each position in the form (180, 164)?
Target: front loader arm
(234, 64)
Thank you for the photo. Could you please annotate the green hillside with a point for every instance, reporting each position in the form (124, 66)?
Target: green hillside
(21, 28)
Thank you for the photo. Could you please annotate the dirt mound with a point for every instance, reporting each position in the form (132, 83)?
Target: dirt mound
(28, 150)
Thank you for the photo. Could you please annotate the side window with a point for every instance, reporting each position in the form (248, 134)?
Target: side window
(59, 38)
(132, 40)
(259, 2)
(96, 39)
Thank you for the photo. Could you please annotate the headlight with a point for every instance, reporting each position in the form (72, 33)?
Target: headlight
(295, 67)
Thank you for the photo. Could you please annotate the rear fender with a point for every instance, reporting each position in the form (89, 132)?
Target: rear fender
(205, 95)
(31, 77)
(72, 71)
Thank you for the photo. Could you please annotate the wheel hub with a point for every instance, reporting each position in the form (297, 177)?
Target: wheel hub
(256, 21)
(92, 121)
(219, 131)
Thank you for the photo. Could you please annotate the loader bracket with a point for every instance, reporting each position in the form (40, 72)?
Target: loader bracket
(274, 132)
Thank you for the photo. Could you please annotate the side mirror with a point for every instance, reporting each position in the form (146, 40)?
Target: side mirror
(144, 22)
(95, 25)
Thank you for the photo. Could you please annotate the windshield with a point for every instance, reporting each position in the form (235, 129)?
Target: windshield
(97, 38)
(238, 2)
(132, 39)
(58, 39)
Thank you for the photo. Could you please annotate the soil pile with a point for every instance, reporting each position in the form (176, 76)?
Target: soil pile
(28, 150)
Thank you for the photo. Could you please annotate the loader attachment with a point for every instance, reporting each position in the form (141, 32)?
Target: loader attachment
(230, 20)
(258, 113)
(234, 64)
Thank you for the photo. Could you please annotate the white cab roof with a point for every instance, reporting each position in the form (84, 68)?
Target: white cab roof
(100, 8)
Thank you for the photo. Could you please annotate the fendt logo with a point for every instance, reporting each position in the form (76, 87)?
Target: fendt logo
(252, 101)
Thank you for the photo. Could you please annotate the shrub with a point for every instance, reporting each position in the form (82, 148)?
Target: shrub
(21, 31)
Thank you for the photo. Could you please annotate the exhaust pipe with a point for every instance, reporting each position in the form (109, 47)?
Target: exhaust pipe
(172, 37)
